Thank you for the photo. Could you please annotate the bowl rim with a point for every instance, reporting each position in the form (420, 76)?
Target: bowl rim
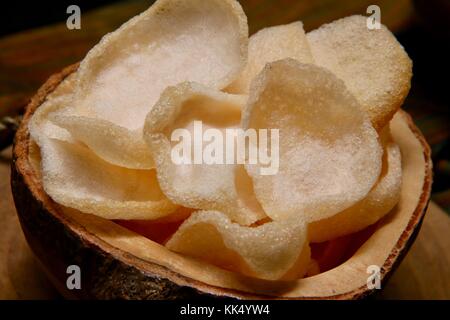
(23, 176)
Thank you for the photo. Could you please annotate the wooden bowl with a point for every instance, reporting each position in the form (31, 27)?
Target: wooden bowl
(118, 263)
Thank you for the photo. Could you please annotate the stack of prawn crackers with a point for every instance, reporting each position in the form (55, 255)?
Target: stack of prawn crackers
(105, 147)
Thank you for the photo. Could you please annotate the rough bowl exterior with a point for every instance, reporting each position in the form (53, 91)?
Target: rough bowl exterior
(111, 273)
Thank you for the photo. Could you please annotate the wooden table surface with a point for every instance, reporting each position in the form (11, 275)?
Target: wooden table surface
(28, 58)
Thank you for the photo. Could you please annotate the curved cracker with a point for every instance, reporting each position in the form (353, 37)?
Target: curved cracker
(223, 187)
(113, 143)
(173, 41)
(75, 177)
(271, 44)
(380, 201)
(272, 251)
(56, 102)
(374, 66)
(330, 156)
